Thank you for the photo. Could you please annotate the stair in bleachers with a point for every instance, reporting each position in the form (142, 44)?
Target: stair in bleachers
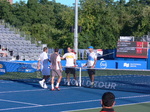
(18, 47)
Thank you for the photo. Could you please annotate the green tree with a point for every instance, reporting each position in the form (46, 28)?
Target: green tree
(100, 26)
(102, 21)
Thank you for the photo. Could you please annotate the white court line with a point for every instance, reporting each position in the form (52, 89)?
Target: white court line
(16, 108)
(21, 91)
(71, 87)
(3, 82)
(33, 90)
(48, 105)
(101, 107)
(132, 97)
(70, 103)
(20, 102)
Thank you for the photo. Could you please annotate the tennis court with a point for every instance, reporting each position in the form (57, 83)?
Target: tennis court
(137, 107)
(23, 97)
(20, 91)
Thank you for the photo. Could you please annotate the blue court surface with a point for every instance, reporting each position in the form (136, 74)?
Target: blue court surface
(30, 97)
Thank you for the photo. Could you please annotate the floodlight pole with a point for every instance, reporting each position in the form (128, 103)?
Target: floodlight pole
(76, 29)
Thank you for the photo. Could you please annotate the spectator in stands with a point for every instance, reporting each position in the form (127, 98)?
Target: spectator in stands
(3, 52)
(73, 51)
(108, 101)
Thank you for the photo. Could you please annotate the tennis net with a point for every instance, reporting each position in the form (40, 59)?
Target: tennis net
(19, 71)
(112, 79)
(115, 79)
(26, 72)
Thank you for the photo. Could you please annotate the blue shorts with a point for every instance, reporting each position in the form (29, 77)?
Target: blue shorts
(45, 71)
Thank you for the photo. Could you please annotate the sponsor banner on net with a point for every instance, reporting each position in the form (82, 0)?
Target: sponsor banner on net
(2, 68)
(103, 64)
(132, 65)
(85, 82)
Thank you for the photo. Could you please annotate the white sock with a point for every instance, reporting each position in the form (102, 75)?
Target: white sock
(76, 83)
(57, 85)
(92, 83)
(52, 86)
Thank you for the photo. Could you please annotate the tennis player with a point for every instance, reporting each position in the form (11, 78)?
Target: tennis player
(107, 102)
(70, 64)
(43, 65)
(92, 58)
(56, 68)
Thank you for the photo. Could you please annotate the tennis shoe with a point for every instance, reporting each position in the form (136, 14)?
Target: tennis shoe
(41, 84)
(91, 86)
(53, 89)
(57, 88)
(45, 86)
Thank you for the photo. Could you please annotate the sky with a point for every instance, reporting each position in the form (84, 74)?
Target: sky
(65, 2)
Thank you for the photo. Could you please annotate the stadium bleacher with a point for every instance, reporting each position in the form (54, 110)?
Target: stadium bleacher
(18, 47)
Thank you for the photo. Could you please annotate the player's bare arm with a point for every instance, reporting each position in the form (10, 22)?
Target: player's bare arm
(62, 58)
(85, 65)
(38, 65)
(60, 66)
(75, 63)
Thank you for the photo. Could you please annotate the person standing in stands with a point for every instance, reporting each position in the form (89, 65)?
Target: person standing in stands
(70, 64)
(56, 68)
(43, 65)
(92, 59)
(107, 102)
(3, 52)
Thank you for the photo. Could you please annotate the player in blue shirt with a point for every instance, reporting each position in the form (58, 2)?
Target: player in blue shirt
(92, 58)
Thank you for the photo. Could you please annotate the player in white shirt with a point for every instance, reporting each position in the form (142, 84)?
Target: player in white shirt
(43, 65)
(92, 58)
(70, 63)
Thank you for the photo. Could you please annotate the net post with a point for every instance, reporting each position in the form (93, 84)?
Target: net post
(80, 77)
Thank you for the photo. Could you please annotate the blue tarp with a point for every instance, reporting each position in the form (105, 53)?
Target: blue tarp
(21, 66)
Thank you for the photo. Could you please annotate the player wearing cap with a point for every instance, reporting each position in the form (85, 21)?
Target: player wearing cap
(43, 65)
(92, 58)
(56, 68)
(70, 62)
(108, 101)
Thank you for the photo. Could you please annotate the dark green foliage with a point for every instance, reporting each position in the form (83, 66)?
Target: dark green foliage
(102, 21)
